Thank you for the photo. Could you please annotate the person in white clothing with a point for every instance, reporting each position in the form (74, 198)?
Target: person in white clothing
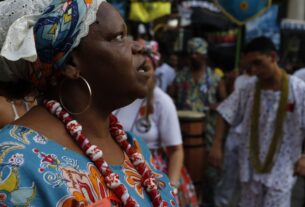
(166, 73)
(300, 73)
(298, 192)
(155, 120)
(270, 115)
(227, 190)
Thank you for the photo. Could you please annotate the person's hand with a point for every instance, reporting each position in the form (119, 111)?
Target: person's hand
(216, 156)
(299, 167)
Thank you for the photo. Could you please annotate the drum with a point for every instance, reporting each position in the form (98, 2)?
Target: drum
(195, 155)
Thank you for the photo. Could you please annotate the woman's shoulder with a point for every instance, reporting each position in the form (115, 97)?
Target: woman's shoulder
(6, 114)
(138, 143)
(16, 133)
(29, 161)
(162, 179)
(160, 95)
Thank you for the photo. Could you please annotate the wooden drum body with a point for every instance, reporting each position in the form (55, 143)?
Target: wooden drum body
(195, 154)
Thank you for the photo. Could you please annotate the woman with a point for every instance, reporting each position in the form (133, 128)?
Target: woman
(155, 120)
(69, 150)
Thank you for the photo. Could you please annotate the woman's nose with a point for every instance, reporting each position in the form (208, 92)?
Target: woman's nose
(137, 47)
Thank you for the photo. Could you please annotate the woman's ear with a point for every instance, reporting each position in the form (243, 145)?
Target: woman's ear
(71, 69)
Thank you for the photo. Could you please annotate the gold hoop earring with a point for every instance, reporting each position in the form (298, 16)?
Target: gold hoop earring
(89, 101)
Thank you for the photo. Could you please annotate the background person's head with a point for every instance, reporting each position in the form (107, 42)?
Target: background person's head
(197, 49)
(260, 57)
(173, 61)
(73, 47)
(151, 49)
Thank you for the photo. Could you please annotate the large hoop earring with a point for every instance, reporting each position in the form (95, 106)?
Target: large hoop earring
(89, 101)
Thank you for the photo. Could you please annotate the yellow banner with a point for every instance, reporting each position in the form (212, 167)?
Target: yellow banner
(148, 11)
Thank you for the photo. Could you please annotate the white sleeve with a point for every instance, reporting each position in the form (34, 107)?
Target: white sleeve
(172, 76)
(159, 78)
(232, 108)
(168, 124)
(299, 96)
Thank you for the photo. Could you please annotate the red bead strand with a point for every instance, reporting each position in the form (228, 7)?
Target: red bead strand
(96, 155)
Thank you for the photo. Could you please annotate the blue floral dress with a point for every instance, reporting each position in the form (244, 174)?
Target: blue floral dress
(35, 171)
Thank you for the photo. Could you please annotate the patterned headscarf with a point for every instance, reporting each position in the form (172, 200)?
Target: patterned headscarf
(198, 45)
(152, 50)
(55, 33)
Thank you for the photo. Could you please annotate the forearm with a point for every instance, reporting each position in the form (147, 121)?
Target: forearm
(222, 92)
(175, 156)
(216, 152)
(221, 128)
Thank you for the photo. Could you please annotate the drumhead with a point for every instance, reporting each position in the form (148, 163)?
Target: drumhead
(184, 114)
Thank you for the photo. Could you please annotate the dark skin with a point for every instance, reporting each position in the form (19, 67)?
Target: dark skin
(110, 62)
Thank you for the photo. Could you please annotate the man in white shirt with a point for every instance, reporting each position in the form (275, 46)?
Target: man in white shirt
(166, 73)
(270, 115)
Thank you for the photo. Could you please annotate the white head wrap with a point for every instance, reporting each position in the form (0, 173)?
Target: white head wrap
(17, 43)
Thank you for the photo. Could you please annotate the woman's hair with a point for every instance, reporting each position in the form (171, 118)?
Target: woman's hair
(152, 51)
(16, 90)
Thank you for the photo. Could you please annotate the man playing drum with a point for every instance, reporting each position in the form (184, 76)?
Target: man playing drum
(199, 89)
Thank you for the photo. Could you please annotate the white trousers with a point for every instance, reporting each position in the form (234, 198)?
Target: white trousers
(255, 194)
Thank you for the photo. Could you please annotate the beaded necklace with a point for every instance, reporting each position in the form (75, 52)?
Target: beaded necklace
(266, 166)
(96, 155)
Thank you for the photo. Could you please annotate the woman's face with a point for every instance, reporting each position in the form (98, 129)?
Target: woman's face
(113, 64)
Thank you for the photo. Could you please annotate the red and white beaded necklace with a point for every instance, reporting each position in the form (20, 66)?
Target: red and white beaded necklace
(96, 155)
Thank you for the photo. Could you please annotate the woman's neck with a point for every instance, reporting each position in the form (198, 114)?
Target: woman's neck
(93, 117)
(198, 74)
(95, 124)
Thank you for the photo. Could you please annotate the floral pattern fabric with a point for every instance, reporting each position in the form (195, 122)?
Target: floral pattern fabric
(35, 171)
(237, 110)
(198, 97)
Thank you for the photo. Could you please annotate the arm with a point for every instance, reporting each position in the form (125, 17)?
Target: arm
(6, 114)
(230, 112)
(175, 158)
(221, 90)
(299, 168)
(216, 152)
(221, 94)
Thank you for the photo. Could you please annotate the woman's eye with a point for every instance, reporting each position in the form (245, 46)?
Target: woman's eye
(119, 37)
